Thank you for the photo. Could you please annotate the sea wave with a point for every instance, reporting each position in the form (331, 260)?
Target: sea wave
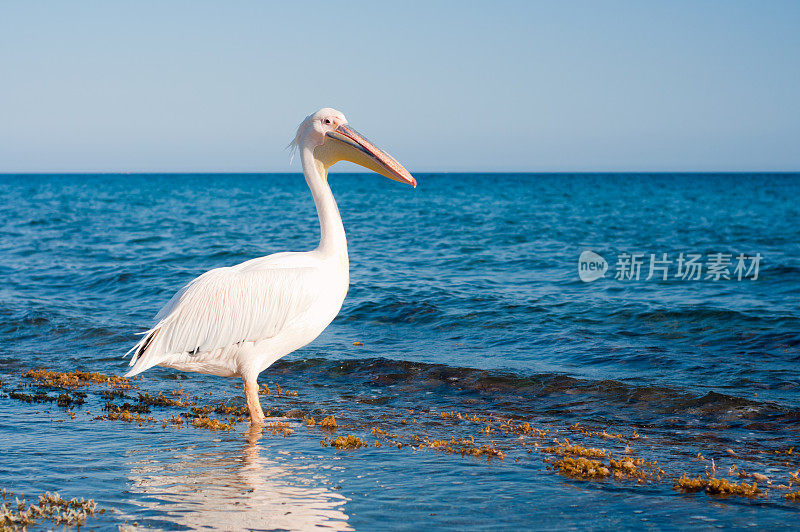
(555, 393)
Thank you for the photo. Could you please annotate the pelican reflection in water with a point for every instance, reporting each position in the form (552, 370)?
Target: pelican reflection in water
(238, 491)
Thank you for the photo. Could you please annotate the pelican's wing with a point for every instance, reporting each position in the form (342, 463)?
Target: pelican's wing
(225, 307)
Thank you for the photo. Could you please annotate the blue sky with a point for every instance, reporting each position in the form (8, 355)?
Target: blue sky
(511, 86)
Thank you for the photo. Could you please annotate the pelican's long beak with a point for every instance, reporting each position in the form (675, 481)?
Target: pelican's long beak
(350, 145)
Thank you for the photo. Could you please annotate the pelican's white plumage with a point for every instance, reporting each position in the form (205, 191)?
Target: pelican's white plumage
(238, 320)
(226, 309)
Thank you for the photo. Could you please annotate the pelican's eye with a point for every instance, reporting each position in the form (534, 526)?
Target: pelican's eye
(327, 121)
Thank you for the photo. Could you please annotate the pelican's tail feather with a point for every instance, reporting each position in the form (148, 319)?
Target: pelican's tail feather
(139, 361)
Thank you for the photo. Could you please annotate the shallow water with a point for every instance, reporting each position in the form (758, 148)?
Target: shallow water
(466, 296)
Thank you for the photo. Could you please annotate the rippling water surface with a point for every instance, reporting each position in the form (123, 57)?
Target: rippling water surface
(466, 297)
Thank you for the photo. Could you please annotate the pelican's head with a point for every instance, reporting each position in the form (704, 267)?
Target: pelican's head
(330, 137)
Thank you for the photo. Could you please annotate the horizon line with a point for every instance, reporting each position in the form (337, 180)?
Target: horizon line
(475, 172)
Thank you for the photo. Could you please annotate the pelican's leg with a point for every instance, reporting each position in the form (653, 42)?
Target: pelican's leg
(253, 404)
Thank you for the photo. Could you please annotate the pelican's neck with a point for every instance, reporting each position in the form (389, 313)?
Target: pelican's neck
(332, 240)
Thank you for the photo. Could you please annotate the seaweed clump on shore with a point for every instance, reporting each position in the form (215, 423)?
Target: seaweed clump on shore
(716, 486)
(578, 467)
(328, 423)
(123, 414)
(585, 463)
(278, 391)
(344, 442)
(76, 379)
(567, 448)
(239, 412)
(52, 507)
(279, 427)
(63, 400)
(161, 400)
(465, 447)
(210, 424)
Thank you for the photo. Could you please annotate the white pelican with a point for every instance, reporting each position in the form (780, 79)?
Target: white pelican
(238, 320)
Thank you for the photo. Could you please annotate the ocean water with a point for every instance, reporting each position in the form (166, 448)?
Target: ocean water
(466, 296)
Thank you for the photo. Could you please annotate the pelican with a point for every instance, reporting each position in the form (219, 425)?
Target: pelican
(236, 321)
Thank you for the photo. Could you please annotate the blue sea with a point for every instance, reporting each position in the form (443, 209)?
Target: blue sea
(467, 314)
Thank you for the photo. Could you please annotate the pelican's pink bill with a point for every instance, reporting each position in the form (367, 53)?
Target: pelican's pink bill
(347, 134)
